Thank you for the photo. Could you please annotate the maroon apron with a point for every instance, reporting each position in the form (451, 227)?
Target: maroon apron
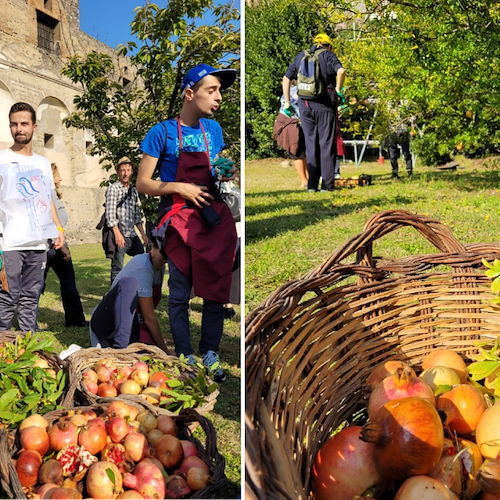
(204, 254)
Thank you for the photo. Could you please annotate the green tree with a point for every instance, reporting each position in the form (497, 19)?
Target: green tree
(172, 40)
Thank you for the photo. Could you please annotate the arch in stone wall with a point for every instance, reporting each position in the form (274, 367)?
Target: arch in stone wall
(6, 102)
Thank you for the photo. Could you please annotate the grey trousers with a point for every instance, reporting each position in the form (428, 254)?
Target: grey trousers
(24, 270)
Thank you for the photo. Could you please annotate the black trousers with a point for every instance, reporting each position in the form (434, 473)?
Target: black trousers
(404, 142)
(321, 147)
(73, 310)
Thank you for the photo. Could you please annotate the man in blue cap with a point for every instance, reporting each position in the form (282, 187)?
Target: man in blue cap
(318, 110)
(195, 229)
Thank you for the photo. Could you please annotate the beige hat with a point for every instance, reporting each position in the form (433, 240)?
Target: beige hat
(124, 159)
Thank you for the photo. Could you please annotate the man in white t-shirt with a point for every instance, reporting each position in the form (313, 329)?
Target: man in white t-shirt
(28, 217)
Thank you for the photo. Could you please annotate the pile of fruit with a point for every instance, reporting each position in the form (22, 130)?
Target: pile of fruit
(435, 436)
(121, 453)
(171, 385)
(28, 383)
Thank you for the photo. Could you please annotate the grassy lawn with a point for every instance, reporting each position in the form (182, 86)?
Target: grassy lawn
(290, 231)
(92, 273)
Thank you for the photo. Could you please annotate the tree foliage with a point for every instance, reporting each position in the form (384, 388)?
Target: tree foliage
(172, 40)
(434, 61)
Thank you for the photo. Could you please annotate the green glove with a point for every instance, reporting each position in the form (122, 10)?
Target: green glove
(222, 166)
(288, 110)
(341, 96)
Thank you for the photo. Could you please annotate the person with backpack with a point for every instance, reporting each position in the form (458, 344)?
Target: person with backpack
(319, 74)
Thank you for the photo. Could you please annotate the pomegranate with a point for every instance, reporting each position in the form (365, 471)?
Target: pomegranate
(63, 434)
(79, 419)
(130, 494)
(91, 386)
(104, 480)
(34, 420)
(75, 461)
(117, 429)
(93, 438)
(385, 369)
(147, 479)
(109, 364)
(35, 438)
(136, 446)
(141, 365)
(51, 472)
(488, 432)
(424, 488)
(408, 437)
(177, 487)
(436, 376)
(471, 459)
(449, 471)
(158, 464)
(488, 477)
(193, 461)
(343, 467)
(446, 357)
(133, 412)
(130, 387)
(189, 448)
(116, 453)
(105, 390)
(158, 377)
(140, 376)
(169, 451)
(118, 409)
(59, 493)
(197, 478)
(103, 375)
(124, 372)
(153, 435)
(397, 386)
(90, 375)
(46, 490)
(27, 466)
(166, 424)
(147, 419)
(151, 395)
(463, 406)
(89, 413)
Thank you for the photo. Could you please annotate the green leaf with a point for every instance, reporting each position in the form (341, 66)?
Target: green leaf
(482, 369)
(111, 475)
(174, 383)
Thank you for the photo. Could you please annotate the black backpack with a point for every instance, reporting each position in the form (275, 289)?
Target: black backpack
(309, 82)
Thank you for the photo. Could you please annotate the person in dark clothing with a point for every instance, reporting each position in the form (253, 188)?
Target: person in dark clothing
(318, 114)
(60, 261)
(400, 136)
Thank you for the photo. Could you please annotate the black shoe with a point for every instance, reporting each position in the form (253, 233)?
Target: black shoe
(409, 172)
(229, 313)
(395, 175)
(81, 324)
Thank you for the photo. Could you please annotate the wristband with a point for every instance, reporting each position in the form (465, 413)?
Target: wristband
(61, 229)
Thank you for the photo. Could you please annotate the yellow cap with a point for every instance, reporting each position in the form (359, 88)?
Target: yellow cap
(322, 39)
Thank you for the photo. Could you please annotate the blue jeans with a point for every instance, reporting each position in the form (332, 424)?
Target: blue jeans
(212, 320)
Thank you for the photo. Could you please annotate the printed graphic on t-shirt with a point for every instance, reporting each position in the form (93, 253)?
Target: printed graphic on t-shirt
(194, 143)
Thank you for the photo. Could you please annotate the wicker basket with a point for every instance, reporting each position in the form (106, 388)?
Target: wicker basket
(83, 359)
(208, 452)
(312, 343)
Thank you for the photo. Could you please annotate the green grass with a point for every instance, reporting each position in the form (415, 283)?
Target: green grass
(92, 276)
(290, 231)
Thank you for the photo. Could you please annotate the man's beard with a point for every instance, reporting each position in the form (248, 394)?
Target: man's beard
(23, 139)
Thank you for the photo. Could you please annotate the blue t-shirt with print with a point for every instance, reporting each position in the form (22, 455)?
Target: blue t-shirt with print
(192, 141)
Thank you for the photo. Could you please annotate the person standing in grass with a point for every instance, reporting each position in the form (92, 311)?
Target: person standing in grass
(28, 218)
(60, 261)
(195, 230)
(318, 111)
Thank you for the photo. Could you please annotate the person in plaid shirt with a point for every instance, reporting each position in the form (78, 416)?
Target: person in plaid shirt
(122, 219)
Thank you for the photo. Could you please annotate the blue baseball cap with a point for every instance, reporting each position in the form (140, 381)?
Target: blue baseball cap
(194, 75)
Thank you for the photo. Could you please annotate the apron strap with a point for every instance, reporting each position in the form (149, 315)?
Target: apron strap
(204, 137)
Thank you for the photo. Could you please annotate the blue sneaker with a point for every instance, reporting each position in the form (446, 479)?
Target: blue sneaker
(212, 361)
(190, 359)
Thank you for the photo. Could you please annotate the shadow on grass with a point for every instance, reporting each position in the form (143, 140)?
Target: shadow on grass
(311, 211)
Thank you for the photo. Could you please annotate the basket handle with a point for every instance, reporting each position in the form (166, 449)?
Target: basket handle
(385, 222)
